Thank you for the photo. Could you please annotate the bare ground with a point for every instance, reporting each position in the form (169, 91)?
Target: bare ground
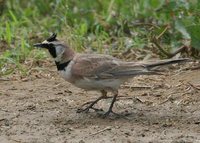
(42, 109)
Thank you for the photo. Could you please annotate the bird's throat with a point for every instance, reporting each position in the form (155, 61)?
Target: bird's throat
(62, 66)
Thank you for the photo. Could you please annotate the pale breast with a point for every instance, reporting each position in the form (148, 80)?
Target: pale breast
(66, 74)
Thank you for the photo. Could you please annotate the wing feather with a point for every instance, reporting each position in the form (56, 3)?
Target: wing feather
(105, 67)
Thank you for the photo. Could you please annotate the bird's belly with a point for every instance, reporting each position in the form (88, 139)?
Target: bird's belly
(92, 84)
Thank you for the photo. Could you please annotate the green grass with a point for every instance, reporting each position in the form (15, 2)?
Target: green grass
(100, 26)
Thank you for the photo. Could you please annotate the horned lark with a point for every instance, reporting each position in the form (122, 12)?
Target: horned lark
(96, 71)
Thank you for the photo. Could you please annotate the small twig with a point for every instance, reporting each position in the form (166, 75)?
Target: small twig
(146, 24)
(140, 100)
(162, 32)
(4, 79)
(192, 68)
(2, 119)
(16, 140)
(182, 100)
(169, 55)
(166, 100)
(179, 50)
(179, 102)
(155, 41)
(100, 131)
(194, 86)
(195, 68)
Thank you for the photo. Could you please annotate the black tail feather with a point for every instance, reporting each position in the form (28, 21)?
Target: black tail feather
(165, 62)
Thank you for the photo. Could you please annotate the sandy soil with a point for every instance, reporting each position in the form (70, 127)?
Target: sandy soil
(42, 109)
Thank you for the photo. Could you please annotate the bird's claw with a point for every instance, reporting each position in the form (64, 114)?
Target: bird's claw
(106, 114)
(115, 115)
(86, 110)
(79, 110)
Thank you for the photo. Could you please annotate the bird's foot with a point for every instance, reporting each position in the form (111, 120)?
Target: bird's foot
(114, 115)
(91, 104)
(80, 110)
(106, 114)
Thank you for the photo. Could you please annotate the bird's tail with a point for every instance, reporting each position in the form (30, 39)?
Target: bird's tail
(149, 66)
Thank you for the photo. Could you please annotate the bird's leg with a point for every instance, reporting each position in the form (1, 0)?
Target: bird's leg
(103, 96)
(111, 105)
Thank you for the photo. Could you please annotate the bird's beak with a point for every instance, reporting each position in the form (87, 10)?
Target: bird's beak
(40, 45)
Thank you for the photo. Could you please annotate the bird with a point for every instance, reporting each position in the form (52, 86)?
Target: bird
(99, 72)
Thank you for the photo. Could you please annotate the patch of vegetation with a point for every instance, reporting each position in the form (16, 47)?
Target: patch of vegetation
(97, 25)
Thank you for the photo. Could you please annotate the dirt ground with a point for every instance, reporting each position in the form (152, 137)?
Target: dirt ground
(41, 108)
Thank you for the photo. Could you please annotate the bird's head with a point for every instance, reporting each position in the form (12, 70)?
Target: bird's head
(56, 48)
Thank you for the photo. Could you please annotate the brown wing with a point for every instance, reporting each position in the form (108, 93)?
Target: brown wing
(104, 66)
(93, 66)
